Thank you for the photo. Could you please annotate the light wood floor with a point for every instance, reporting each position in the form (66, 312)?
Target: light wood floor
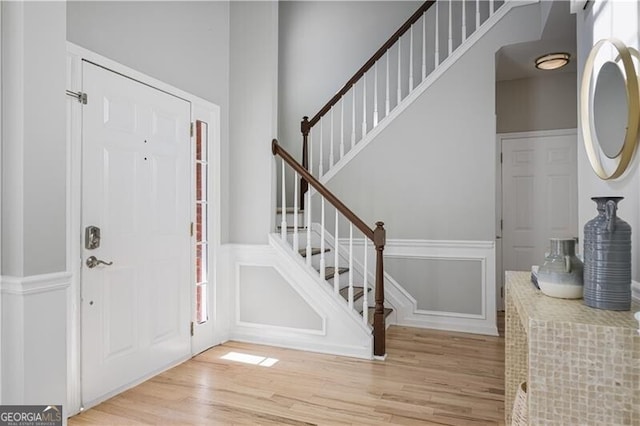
(429, 377)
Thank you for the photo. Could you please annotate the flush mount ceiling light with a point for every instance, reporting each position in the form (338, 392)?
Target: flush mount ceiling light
(552, 61)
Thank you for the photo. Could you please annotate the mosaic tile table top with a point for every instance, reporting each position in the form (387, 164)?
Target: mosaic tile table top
(582, 365)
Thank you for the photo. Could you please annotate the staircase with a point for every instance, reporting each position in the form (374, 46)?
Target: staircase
(414, 56)
(324, 255)
(419, 53)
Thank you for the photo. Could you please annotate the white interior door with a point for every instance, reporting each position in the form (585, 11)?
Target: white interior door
(539, 195)
(136, 312)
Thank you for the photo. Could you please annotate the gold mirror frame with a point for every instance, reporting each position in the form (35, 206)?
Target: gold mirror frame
(633, 115)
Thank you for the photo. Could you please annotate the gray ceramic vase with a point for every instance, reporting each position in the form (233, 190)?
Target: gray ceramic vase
(607, 258)
(561, 274)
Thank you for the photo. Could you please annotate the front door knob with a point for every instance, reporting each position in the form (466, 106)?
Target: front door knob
(93, 261)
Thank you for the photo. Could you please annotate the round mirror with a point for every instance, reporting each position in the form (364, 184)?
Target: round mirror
(610, 108)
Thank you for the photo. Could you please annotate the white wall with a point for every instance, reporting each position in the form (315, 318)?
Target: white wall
(603, 19)
(537, 103)
(322, 44)
(253, 94)
(182, 43)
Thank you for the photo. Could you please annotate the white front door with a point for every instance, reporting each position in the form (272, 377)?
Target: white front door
(539, 195)
(136, 312)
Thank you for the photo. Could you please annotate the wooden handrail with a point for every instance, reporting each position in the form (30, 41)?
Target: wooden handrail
(367, 66)
(276, 149)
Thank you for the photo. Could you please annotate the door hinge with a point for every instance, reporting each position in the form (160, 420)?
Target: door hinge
(191, 129)
(191, 229)
(501, 224)
(80, 96)
(192, 328)
(500, 158)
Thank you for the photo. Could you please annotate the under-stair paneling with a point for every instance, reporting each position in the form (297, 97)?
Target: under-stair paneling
(277, 300)
(266, 299)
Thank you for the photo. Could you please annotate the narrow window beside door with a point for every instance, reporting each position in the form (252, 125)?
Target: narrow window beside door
(202, 245)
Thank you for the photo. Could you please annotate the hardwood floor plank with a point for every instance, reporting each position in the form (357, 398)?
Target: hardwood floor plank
(429, 378)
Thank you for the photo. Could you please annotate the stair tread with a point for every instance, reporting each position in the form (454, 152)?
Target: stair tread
(329, 271)
(314, 251)
(358, 292)
(387, 312)
(291, 227)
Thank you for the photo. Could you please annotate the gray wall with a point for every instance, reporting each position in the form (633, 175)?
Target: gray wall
(33, 138)
(602, 20)
(321, 45)
(253, 94)
(538, 103)
(185, 44)
(431, 173)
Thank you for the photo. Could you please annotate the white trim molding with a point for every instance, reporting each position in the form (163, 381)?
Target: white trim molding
(635, 291)
(34, 318)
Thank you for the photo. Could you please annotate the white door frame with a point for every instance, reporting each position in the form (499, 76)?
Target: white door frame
(200, 110)
(499, 139)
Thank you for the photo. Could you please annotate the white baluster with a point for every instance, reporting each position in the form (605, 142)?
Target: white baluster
(410, 59)
(336, 259)
(342, 127)
(477, 14)
(436, 56)
(424, 46)
(450, 26)
(321, 165)
(491, 7)
(331, 141)
(283, 222)
(399, 97)
(353, 116)
(350, 298)
(365, 302)
(296, 240)
(375, 94)
(323, 263)
(308, 210)
(464, 21)
(364, 106)
(386, 97)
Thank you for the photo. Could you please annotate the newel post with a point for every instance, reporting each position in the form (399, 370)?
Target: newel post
(304, 185)
(379, 328)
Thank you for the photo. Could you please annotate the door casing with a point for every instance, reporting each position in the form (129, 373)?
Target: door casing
(200, 110)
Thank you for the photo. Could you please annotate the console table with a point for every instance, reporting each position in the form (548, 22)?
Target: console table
(581, 365)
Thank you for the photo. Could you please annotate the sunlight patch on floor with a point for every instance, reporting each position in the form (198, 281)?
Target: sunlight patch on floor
(250, 359)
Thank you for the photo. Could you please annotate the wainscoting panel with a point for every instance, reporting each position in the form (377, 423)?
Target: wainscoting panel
(446, 285)
(34, 339)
